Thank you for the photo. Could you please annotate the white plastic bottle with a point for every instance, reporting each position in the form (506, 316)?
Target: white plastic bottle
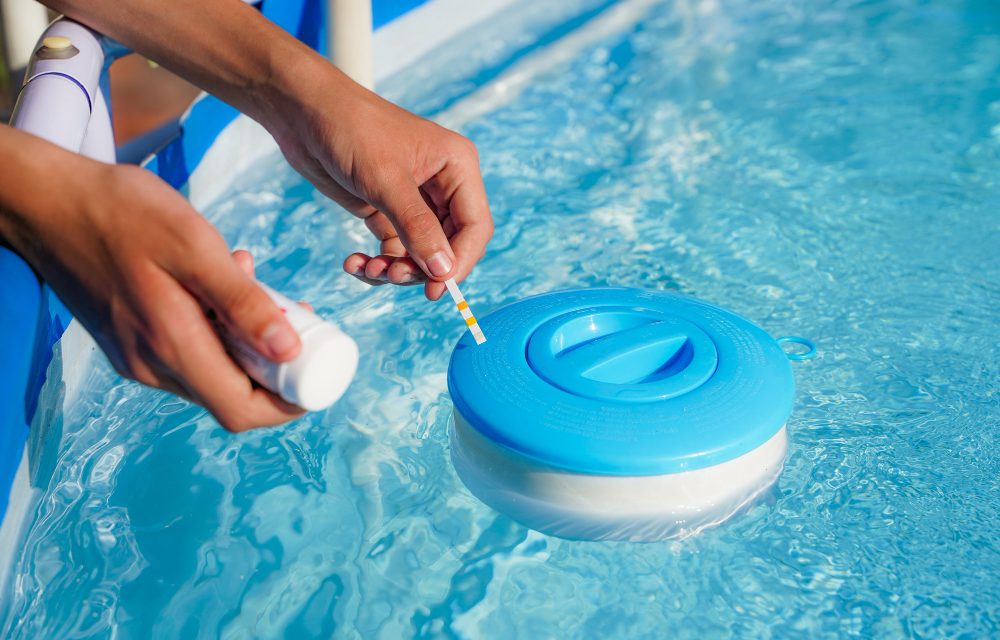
(322, 371)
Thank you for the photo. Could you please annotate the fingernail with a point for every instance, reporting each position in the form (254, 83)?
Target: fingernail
(279, 338)
(439, 264)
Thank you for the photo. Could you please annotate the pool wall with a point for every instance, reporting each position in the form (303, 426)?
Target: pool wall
(46, 355)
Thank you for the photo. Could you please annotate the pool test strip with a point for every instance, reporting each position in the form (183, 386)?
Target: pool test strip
(466, 312)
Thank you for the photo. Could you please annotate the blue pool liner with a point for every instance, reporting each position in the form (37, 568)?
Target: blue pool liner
(19, 299)
(33, 320)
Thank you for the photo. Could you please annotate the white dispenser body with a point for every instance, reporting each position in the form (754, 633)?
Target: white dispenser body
(322, 371)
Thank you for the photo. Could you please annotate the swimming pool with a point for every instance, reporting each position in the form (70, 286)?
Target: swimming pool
(827, 169)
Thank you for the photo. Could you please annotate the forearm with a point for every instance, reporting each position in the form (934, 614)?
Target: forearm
(416, 184)
(223, 46)
(34, 186)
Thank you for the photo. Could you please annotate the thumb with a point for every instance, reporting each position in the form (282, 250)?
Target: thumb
(418, 228)
(246, 311)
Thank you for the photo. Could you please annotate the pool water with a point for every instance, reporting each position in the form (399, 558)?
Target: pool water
(827, 169)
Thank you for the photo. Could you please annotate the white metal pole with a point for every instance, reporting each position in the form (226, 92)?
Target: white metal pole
(349, 38)
(23, 21)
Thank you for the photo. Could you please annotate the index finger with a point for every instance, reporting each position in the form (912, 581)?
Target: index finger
(469, 210)
(217, 383)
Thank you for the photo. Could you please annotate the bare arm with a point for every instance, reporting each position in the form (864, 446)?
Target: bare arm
(222, 46)
(416, 185)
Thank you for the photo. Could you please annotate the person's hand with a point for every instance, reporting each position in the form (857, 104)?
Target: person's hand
(244, 259)
(139, 268)
(416, 185)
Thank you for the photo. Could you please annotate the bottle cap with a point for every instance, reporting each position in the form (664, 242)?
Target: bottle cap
(323, 369)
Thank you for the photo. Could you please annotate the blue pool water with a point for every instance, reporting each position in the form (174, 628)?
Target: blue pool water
(828, 169)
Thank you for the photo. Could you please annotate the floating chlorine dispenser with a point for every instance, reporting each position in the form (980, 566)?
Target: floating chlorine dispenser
(619, 414)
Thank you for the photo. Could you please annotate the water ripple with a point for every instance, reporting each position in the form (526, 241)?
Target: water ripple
(829, 169)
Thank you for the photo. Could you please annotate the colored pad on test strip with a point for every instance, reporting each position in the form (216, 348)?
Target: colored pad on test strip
(463, 308)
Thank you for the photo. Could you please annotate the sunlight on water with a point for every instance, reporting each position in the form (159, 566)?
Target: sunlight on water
(827, 169)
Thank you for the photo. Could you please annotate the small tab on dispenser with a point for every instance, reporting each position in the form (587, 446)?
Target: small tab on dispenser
(805, 349)
(57, 43)
(56, 48)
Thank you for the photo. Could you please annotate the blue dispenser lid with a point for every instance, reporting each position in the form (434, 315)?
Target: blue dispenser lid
(622, 382)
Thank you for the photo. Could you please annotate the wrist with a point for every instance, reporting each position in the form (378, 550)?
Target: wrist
(41, 186)
(24, 188)
(298, 88)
